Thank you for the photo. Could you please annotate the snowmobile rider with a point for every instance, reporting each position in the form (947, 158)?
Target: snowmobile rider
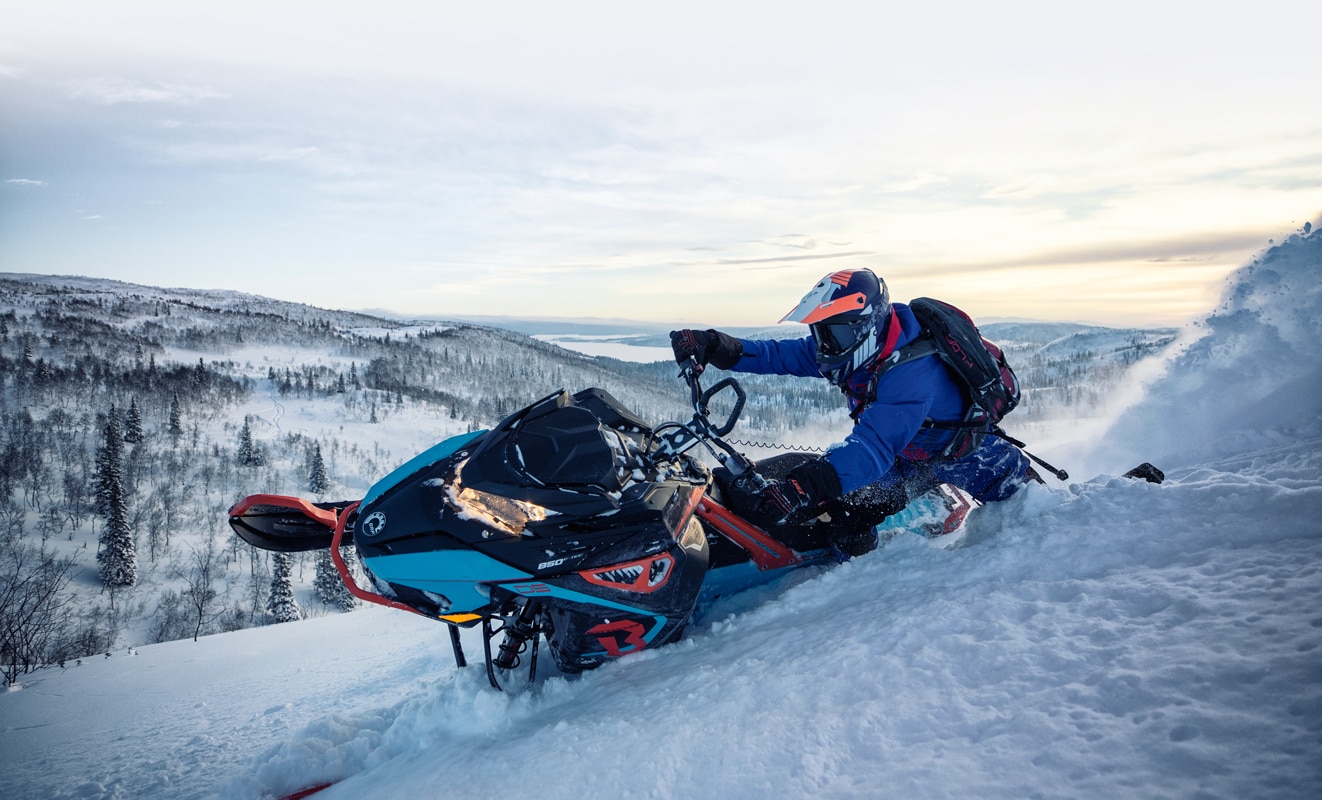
(889, 457)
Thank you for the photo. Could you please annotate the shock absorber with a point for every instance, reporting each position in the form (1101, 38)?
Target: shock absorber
(517, 633)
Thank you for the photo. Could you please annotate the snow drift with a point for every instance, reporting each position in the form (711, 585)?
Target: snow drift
(1111, 638)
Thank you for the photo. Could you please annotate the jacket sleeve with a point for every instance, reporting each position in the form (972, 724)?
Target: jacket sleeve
(905, 397)
(779, 357)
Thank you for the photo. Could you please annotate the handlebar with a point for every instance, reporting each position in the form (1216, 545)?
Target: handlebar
(700, 429)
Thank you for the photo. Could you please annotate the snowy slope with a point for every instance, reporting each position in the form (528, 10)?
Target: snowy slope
(1108, 639)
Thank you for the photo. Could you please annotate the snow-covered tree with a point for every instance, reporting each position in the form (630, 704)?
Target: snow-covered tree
(249, 455)
(176, 423)
(281, 603)
(318, 482)
(329, 588)
(117, 553)
(109, 460)
(133, 423)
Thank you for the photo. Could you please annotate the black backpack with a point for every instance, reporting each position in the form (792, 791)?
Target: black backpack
(977, 364)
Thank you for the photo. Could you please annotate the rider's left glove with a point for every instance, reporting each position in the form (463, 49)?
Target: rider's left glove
(706, 347)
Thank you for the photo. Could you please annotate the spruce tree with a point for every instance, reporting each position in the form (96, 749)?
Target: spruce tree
(249, 455)
(109, 461)
(281, 603)
(330, 589)
(318, 483)
(133, 424)
(176, 424)
(117, 554)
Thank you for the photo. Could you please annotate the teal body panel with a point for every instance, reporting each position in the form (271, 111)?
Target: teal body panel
(456, 574)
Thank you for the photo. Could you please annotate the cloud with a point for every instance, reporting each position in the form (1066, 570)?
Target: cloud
(779, 259)
(914, 184)
(112, 91)
(25, 182)
(1193, 248)
(1029, 187)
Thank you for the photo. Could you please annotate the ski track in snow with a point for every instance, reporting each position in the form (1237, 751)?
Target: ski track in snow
(277, 411)
(1110, 638)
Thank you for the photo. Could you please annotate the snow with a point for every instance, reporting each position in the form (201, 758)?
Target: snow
(1248, 376)
(1109, 638)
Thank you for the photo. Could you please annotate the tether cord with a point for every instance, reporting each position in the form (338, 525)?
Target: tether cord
(790, 447)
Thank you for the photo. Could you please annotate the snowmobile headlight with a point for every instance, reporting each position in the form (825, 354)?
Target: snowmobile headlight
(501, 513)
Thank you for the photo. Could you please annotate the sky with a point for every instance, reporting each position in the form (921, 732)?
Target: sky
(697, 162)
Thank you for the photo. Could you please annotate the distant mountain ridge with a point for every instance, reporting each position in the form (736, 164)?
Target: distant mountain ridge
(656, 334)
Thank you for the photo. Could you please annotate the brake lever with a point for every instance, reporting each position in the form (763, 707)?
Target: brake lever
(690, 370)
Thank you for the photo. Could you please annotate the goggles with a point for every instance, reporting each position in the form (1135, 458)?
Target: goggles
(837, 338)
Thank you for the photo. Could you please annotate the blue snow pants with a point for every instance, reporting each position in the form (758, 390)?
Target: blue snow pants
(996, 470)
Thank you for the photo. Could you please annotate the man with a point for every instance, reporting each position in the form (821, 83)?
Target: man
(890, 456)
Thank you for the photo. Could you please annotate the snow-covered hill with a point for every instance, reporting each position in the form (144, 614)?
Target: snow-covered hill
(1106, 639)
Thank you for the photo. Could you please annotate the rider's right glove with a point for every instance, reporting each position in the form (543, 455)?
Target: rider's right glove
(706, 347)
(801, 494)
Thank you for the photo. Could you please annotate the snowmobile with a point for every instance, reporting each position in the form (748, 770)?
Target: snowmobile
(573, 521)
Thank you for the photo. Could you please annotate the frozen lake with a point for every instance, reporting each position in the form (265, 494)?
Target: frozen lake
(609, 345)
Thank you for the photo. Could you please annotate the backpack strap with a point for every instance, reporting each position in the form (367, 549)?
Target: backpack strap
(972, 425)
(920, 347)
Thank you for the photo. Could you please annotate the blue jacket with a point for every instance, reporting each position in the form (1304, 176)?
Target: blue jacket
(892, 425)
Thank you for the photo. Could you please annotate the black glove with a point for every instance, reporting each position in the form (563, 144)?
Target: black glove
(848, 544)
(707, 347)
(803, 491)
